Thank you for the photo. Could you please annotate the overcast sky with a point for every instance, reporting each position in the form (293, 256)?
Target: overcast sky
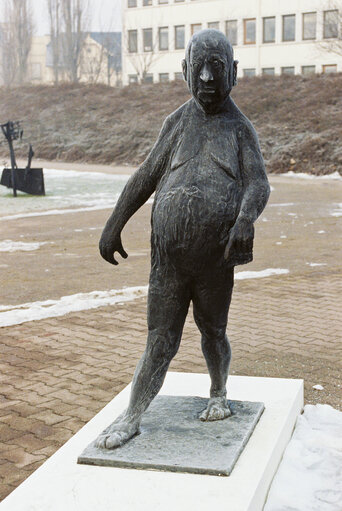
(106, 15)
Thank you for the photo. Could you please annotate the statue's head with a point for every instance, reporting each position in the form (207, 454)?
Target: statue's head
(209, 69)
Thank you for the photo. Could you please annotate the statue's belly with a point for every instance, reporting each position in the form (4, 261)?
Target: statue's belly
(193, 212)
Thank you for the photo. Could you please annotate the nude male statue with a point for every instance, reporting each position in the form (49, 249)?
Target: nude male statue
(210, 185)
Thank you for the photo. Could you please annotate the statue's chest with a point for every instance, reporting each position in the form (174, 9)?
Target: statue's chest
(207, 146)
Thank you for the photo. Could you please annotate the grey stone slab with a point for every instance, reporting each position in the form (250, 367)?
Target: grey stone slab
(172, 438)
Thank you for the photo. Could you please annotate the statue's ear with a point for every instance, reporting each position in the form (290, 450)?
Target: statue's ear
(185, 70)
(235, 64)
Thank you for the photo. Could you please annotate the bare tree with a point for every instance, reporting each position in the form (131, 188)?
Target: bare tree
(332, 28)
(16, 40)
(142, 61)
(74, 17)
(54, 11)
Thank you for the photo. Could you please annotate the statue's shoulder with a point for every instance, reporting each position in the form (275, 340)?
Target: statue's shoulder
(174, 118)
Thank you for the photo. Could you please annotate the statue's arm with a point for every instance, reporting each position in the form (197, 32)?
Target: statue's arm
(136, 192)
(256, 191)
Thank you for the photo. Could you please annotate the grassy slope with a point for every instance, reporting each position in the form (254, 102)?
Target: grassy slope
(297, 119)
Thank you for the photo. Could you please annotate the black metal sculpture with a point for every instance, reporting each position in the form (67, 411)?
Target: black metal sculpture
(26, 180)
(210, 185)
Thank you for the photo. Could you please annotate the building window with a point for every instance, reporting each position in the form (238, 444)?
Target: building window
(268, 25)
(308, 70)
(289, 27)
(179, 0)
(179, 76)
(330, 68)
(214, 24)
(147, 39)
(131, 3)
(249, 72)
(147, 2)
(132, 41)
(330, 24)
(268, 71)
(249, 26)
(163, 1)
(132, 78)
(196, 27)
(288, 70)
(179, 37)
(36, 71)
(231, 31)
(148, 78)
(163, 77)
(163, 38)
(309, 25)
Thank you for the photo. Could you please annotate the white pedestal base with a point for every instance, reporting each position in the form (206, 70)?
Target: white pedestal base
(60, 484)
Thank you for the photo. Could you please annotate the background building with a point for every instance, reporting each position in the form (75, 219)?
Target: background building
(269, 36)
(100, 60)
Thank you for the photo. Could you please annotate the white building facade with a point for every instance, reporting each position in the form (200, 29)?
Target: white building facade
(268, 36)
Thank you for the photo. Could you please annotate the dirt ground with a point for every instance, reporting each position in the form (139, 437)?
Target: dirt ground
(57, 373)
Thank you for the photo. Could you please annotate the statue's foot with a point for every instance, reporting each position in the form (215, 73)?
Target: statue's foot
(118, 434)
(216, 410)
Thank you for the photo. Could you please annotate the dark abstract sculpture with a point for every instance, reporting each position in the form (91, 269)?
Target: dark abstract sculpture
(210, 185)
(26, 180)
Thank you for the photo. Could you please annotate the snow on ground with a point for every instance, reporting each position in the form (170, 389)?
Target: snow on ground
(17, 314)
(302, 175)
(241, 275)
(65, 189)
(309, 477)
(338, 210)
(14, 246)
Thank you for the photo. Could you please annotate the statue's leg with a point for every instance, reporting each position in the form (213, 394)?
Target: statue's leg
(168, 303)
(211, 298)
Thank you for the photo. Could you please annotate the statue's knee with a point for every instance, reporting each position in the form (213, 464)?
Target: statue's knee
(162, 347)
(212, 332)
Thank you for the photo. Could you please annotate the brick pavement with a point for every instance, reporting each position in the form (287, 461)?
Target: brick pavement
(57, 373)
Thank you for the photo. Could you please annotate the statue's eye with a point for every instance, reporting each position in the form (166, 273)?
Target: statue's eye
(216, 63)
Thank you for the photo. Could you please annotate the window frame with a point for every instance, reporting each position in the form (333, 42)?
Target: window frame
(245, 20)
(175, 32)
(263, 29)
(236, 31)
(303, 26)
(283, 27)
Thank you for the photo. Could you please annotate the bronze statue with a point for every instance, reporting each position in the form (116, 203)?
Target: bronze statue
(210, 185)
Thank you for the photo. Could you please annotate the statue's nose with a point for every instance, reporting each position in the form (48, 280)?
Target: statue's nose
(206, 74)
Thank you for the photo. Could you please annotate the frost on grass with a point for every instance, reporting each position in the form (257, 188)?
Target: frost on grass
(309, 477)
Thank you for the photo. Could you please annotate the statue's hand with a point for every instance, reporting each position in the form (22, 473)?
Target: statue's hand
(241, 238)
(109, 244)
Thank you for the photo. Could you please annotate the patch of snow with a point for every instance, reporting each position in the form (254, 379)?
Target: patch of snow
(58, 211)
(338, 211)
(317, 264)
(292, 214)
(272, 188)
(320, 232)
(17, 314)
(242, 275)
(281, 204)
(318, 387)
(283, 236)
(279, 242)
(22, 246)
(264, 220)
(309, 477)
(302, 175)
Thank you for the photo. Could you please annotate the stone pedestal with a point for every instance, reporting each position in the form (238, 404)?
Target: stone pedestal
(62, 484)
(172, 438)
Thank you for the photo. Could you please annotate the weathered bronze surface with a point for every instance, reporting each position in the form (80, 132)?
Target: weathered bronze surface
(210, 185)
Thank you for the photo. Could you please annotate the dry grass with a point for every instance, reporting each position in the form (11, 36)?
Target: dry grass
(298, 120)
